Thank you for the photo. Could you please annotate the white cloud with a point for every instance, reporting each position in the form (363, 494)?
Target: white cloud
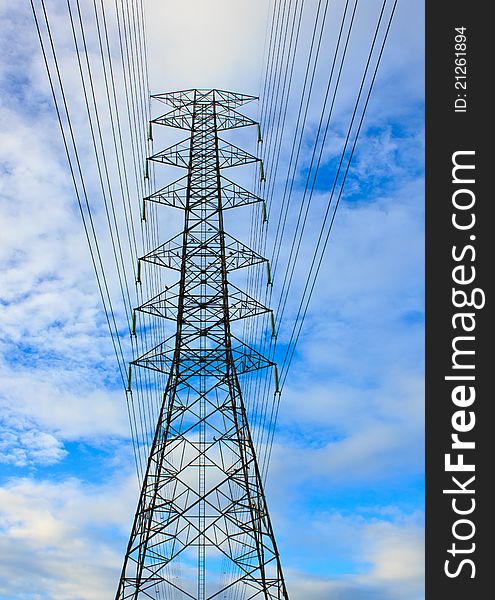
(352, 408)
(206, 45)
(68, 405)
(71, 535)
(390, 554)
(26, 446)
(77, 532)
(396, 553)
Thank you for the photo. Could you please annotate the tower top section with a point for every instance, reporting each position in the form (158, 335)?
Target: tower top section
(203, 96)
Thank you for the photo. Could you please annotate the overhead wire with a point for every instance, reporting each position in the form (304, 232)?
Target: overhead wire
(264, 430)
(317, 261)
(143, 409)
(147, 384)
(313, 173)
(287, 361)
(279, 14)
(254, 287)
(80, 190)
(311, 64)
(141, 415)
(322, 235)
(122, 172)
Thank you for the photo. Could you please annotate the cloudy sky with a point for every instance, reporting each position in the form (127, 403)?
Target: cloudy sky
(345, 486)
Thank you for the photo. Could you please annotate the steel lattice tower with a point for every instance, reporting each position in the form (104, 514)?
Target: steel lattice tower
(202, 498)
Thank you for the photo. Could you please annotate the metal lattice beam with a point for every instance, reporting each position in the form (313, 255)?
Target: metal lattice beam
(202, 498)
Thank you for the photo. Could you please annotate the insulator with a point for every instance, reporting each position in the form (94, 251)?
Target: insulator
(272, 320)
(268, 274)
(277, 383)
(129, 379)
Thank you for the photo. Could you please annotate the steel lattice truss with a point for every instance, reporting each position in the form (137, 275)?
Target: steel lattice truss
(202, 499)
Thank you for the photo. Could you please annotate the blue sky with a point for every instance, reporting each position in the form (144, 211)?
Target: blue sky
(345, 486)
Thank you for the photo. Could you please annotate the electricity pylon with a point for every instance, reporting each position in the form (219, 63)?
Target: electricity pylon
(202, 500)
